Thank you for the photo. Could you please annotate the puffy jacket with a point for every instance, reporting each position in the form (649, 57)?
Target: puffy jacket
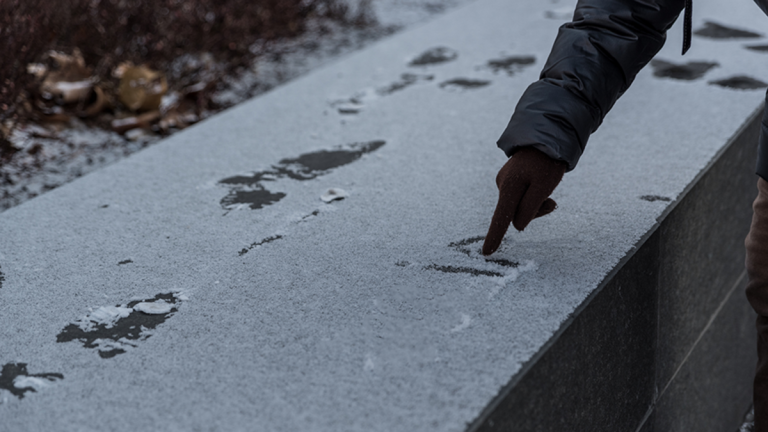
(594, 60)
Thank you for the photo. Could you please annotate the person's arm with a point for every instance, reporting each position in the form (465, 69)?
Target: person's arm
(594, 60)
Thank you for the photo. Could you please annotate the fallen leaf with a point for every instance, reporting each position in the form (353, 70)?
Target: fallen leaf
(141, 88)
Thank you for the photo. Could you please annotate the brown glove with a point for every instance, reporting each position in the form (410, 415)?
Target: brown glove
(525, 183)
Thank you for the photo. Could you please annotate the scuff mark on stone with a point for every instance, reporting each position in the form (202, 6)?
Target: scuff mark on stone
(758, 48)
(112, 330)
(460, 84)
(689, 71)
(461, 244)
(503, 262)
(15, 378)
(259, 243)
(249, 190)
(510, 65)
(406, 80)
(652, 198)
(740, 82)
(718, 31)
(466, 270)
(124, 262)
(434, 56)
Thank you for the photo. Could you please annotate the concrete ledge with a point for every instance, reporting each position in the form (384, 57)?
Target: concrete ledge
(273, 308)
(667, 343)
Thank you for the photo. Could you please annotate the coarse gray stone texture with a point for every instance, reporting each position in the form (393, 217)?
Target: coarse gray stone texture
(375, 312)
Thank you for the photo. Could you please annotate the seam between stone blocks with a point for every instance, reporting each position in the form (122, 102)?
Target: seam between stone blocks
(712, 318)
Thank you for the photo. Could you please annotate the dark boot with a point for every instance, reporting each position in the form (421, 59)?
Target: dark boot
(757, 293)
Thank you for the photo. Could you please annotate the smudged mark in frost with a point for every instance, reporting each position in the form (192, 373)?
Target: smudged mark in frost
(718, 31)
(402, 263)
(465, 321)
(334, 194)
(124, 262)
(510, 65)
(503, 262)
(511, 276)
(249, 190)
(563, 13)
(259, 243)
(461, 245)
(740, 82)
(467, 270)
(406, 80)
(652, 198)
(460, 84)
(758, 48)
(16, 379)
(434, 56)
(113, 330)
(689, 71)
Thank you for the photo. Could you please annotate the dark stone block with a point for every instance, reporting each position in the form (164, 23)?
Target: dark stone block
(702, 249)
(713, 388)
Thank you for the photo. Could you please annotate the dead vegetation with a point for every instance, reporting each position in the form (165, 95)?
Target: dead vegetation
(128, 64)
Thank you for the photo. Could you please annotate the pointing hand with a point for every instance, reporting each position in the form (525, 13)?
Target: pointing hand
(525, 183)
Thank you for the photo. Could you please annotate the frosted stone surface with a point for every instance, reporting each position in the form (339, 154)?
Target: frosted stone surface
(375, 313)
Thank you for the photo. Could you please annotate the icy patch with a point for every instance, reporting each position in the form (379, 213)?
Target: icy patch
(465, 321)
(114, 330)
(106, 316)
(153, 308)
(15, 378)
(334, 194)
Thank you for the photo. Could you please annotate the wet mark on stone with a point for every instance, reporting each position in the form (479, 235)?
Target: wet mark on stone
(259, 243)
(510, 65)
(740, 82)
(652, 198)
(349, 110)
(459, 84)
(104, 206)
(466, 270)
(435, 55)
(503, 262)
(718, 31)
(249, 190)
(16, 379)
(125, 262)
(406, 80)
(758, 48)
(112, 330)
(402, 263)
(689, 71)
(313, 214)
(461, 245)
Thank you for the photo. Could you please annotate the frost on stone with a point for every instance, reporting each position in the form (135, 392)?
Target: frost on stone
(15, 378)
(113, 330)
(465, 321)
(334, 194)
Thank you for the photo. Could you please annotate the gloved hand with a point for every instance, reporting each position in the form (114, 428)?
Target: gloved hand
(525, 183)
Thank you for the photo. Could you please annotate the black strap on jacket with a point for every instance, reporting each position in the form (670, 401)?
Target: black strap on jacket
(687, 25)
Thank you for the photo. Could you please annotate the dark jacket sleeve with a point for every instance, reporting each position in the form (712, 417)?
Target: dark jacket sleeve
(762, 155)
(593, 61)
